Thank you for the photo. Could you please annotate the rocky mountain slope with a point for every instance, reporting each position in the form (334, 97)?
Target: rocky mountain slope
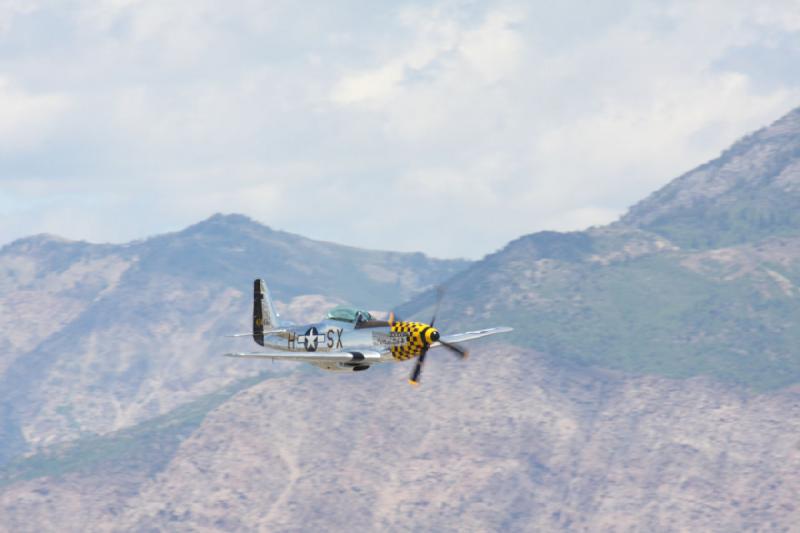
(651, 383)
(750, 192)
(506, 440)
(702, 278)
(99, 337)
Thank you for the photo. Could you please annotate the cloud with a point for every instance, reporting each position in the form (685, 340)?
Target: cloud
(465, 123)
(11, 9)
(27, 118)
(439, 46)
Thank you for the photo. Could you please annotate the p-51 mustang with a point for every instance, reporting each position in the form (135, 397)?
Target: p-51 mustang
(349, 340)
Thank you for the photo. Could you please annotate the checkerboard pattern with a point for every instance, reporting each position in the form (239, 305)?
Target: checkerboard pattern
(414, 345)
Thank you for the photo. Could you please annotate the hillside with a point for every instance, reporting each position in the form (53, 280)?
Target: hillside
(750, 192)
(506, 440)
(100, 337)
(702, 278)
(651, 382)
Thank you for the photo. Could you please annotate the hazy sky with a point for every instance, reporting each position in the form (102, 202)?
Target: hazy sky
(449, 127)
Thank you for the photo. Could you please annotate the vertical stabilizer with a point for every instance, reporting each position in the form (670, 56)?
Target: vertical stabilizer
(264, 315)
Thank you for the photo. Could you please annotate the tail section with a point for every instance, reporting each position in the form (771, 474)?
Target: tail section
(264, 315)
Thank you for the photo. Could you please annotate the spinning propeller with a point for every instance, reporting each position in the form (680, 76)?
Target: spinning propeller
(434, 336)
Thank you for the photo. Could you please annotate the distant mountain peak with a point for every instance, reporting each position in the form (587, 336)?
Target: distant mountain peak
(750, 191)
(787, 124)
(229, 220)
(225, 223)
(37, 241)
(46, 237)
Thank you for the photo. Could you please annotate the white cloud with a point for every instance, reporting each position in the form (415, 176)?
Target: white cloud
(11, 9)
(607, 119)
(469, 123)
(27, 118)
(487, 53)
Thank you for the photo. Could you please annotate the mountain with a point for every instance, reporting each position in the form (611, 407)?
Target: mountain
(509, 440)
(701, 278)
(750, 192)
(652, 382)
(100, 337)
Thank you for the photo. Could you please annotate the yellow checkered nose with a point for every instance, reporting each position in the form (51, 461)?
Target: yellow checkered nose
(431, 336)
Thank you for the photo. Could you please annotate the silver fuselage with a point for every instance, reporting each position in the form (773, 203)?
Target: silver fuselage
(332, 336)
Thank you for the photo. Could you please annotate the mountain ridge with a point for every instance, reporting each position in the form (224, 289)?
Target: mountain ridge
(685, 284)
(84, 319)
(745, 194)
(219, 219)
(651, 382)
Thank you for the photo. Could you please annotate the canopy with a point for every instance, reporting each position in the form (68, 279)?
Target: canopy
(348, 314)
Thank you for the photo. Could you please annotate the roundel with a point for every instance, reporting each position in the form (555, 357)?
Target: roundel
(311, 340)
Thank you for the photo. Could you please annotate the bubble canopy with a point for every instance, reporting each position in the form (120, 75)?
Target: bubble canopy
(348, 314)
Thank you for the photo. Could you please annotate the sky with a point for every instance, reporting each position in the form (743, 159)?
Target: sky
(446, 127)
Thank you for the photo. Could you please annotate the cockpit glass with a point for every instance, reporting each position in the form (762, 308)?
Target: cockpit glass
(348, 314)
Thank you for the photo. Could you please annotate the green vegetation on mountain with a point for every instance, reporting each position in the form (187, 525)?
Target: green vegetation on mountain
(732, 316)
(751, 192)
(706, 225)
(701, 278)
(98, 337)
(144, 447)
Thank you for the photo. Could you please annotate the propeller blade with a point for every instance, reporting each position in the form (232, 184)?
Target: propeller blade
(439, 296)
(458, 350)
(417, 372)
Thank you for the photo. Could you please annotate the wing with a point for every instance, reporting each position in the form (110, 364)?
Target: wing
(455, 338)
(366, 356)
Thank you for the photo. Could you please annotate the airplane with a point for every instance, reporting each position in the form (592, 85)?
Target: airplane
(350, 339)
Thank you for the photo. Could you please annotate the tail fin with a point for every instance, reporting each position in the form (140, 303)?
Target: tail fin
(264, 315)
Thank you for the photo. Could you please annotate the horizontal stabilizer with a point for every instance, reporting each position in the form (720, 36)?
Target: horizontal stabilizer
(279, 332)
